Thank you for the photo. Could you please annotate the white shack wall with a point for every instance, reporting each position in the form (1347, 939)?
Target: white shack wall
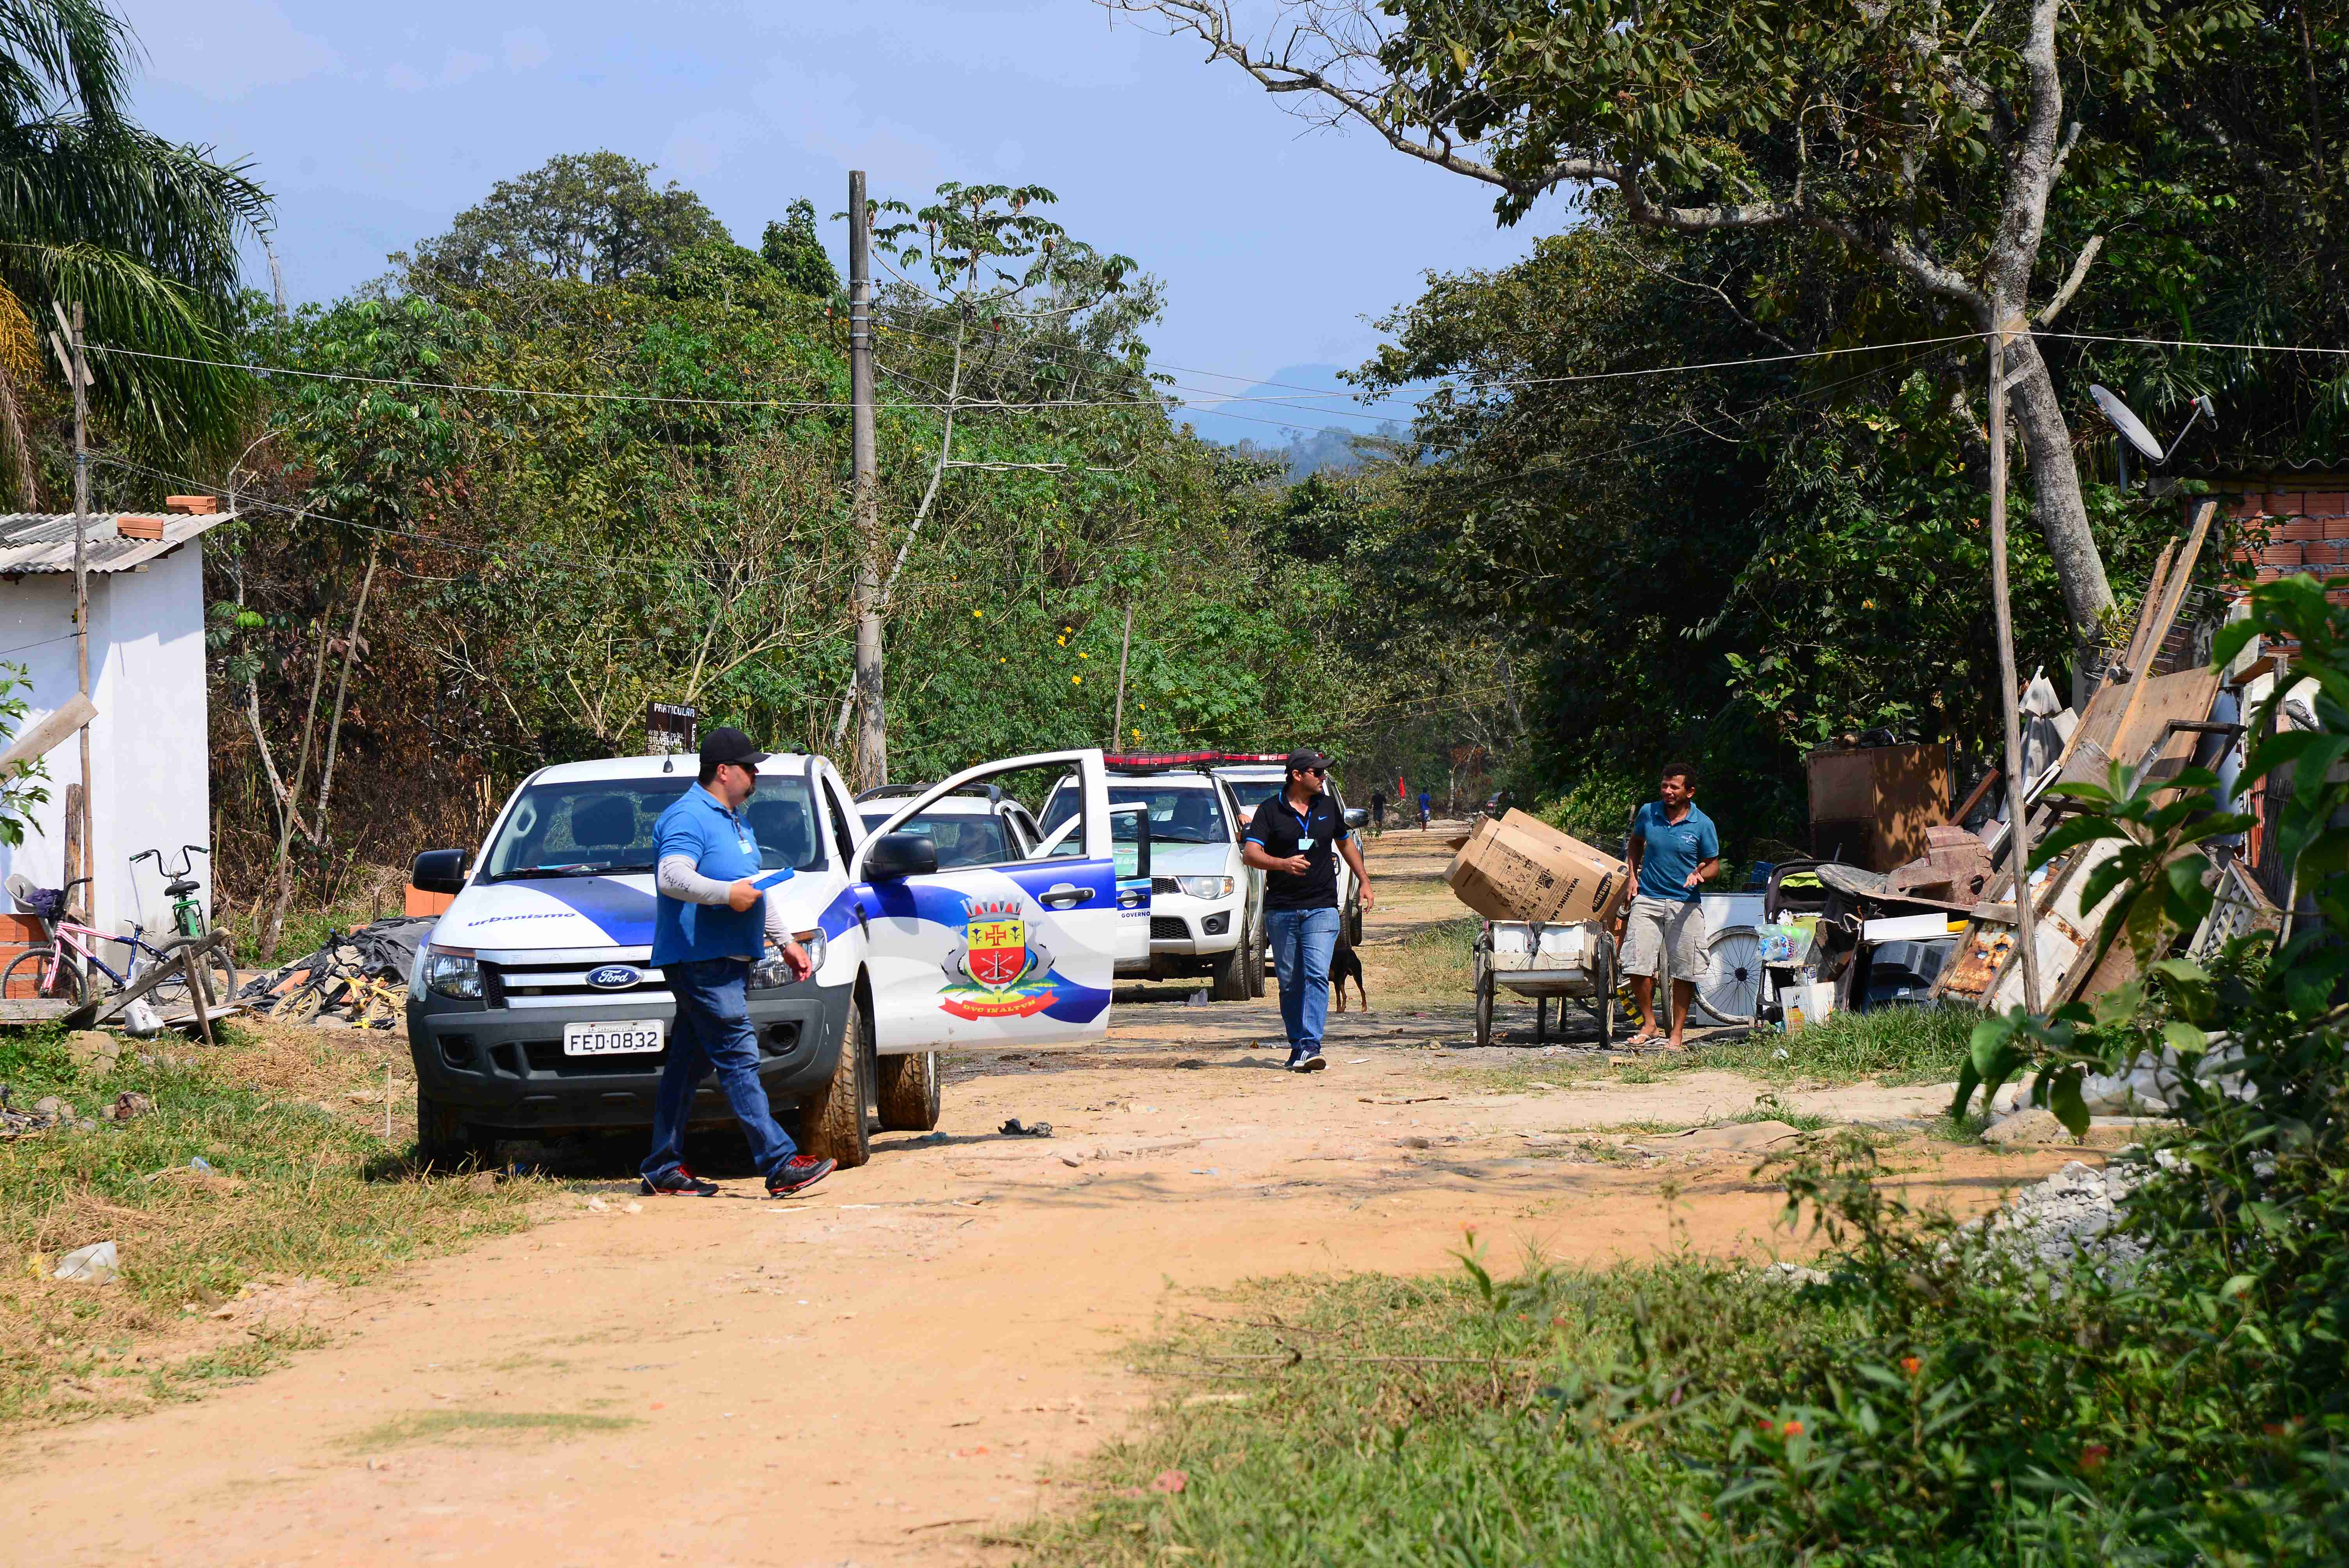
(149, 745)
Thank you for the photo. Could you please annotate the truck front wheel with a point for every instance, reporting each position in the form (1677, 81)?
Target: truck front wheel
(443, 1140)
(910, 1092)
(832, 1126)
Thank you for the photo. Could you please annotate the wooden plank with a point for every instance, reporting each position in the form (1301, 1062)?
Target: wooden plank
(112, 1004)
(2154, 588)
(2152, 703)
(33, 1009)
(1975, 797)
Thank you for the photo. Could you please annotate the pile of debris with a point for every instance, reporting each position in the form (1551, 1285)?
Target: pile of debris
(357, 980)
(2070, 1216)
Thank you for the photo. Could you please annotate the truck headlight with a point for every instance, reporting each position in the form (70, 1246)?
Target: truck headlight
(772, 974)
(457, 976)
(1207, 887)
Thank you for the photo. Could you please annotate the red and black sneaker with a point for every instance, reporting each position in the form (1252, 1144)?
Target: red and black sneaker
(680, 1184)
(797, 1174)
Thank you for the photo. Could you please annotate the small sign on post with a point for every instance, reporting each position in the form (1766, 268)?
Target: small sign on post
(670, 727)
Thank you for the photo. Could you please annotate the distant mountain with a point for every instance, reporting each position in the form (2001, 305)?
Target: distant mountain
(1303, 414)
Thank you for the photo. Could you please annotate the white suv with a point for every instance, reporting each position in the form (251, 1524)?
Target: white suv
(1206, 914)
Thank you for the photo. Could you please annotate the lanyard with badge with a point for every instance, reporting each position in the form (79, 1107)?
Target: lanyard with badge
(1304, 822)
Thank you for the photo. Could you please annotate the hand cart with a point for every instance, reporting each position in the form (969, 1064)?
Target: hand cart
(1541, 961)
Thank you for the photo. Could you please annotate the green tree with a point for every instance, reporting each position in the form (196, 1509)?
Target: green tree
(140, 231)
(1918, 142)
(793, 249)
(592, 217)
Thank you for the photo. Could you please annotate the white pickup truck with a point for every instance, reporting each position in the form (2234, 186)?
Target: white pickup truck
(534, 1010)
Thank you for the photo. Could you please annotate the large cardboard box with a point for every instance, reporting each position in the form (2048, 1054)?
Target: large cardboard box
(1521, 867)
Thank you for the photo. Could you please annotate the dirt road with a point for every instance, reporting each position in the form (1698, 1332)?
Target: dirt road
(876, 1373)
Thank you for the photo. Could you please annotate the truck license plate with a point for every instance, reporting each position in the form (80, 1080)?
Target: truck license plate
(626, 1038)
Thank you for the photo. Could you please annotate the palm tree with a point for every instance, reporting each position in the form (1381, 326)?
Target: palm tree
(140, 231)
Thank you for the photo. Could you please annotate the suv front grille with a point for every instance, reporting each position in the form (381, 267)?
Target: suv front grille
(1168, 928)
(556, 985)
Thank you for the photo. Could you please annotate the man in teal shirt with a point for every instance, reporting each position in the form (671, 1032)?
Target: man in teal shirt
(710, 920)
(1673, 852)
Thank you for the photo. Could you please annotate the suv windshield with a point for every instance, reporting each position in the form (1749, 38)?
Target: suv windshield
(1179, 813)
(961, 840)
(598, 827)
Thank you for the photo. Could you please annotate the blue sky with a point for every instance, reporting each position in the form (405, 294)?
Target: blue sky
(374, 124)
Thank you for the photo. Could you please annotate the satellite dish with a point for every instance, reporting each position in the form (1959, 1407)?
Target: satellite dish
(2134, 432)
(2126, 422)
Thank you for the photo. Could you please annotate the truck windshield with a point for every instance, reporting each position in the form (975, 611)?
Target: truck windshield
(1179, 813)
(602, 827)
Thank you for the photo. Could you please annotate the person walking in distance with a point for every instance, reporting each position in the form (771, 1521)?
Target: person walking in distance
(1674, 851)
(1294, 839)
(1426, 809)
(1378, 812)
(711, 920)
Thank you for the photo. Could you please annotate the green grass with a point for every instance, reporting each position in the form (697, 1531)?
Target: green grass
(1343, 1459)
(425, 1426)
(1391, 1421)
(1894, 1045)
(1432, 962)
(301, 1191)
(305, 931)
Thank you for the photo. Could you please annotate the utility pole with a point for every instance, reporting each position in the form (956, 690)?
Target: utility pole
(1117, 725)
(872, 724)
(81, 597)
(2018, 811)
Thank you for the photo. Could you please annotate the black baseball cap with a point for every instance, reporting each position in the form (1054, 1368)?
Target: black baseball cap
(1304, 757)
(727, 744)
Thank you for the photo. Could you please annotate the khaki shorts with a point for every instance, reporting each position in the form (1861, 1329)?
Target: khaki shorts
(1665, 931)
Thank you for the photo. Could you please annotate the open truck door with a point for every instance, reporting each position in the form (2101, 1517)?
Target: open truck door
(1019, 953)
(1130, 843)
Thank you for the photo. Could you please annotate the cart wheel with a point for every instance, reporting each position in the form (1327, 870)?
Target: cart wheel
(1486, 985)
(1604, 978)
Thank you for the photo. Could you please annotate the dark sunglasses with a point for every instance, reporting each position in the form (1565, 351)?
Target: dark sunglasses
(1317, 772)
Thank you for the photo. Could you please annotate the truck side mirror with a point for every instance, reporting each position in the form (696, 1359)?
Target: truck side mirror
(894, 856)
(438, 870)
(1357, 817)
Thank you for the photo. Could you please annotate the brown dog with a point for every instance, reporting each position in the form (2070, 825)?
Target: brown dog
(1345, 964)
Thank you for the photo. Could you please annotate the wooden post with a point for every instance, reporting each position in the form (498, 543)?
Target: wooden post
(2018, 809)
(871, 722)
(1117, 725)
(197, 989)
(81, 596)
(74, 856)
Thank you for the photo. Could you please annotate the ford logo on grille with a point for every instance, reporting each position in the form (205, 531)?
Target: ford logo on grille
(613, 977)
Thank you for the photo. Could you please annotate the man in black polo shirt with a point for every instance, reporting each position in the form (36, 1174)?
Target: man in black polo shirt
(1295, 840)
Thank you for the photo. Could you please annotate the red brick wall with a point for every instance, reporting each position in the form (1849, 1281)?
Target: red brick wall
(2306, 530)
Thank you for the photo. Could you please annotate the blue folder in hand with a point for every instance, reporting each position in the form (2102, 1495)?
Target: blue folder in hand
(771, 878)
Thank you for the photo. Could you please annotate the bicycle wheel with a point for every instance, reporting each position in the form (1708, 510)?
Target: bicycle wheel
(27, 977)
(218, 969)
(1730, 991)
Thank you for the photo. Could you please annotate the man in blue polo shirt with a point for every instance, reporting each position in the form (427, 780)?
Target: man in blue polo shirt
(710, 920)
(1673, 852)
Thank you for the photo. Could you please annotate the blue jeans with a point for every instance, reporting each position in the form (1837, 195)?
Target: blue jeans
(713, 1031)
(1302, 941)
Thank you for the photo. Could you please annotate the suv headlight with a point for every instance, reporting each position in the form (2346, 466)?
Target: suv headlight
(1207, 887)
(457, 976)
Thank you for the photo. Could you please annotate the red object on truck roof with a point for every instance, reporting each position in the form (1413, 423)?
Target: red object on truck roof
(1136, 761)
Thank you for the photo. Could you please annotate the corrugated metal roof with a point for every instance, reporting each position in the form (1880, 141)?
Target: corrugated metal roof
(44, 541)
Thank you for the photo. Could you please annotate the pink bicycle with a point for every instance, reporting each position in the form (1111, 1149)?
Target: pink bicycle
(68, 969)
